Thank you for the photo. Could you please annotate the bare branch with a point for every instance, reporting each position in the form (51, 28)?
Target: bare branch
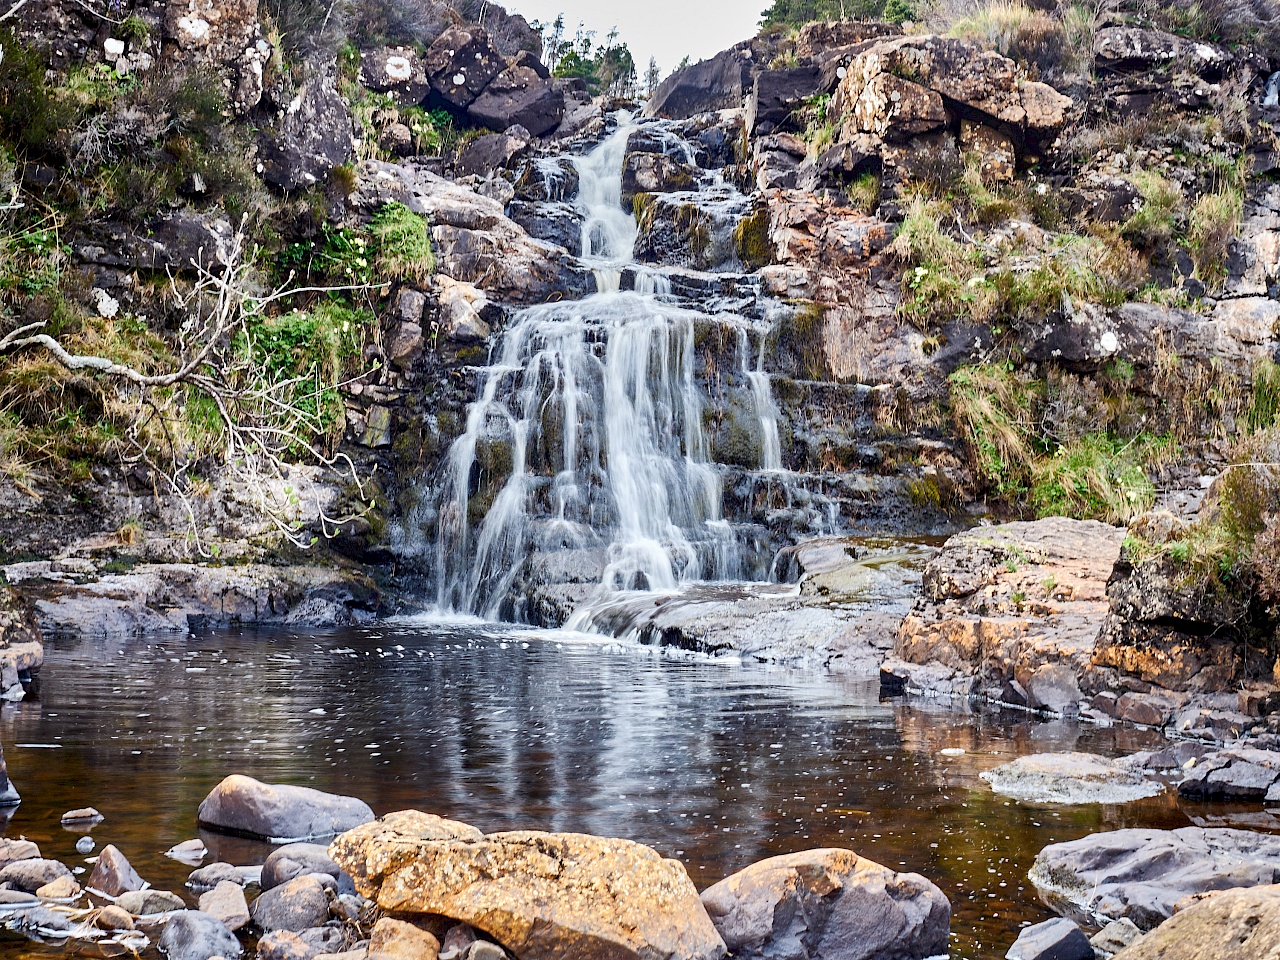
(13, 11)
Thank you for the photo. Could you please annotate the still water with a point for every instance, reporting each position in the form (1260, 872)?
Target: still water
(716, 764)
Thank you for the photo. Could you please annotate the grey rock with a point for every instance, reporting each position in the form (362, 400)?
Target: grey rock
(279, 813)
(1240, 773)
(12, 850)
(1114, 937)
(227, 902)
(396, 71)
(461, 63)
(1058, 939)
(720, 83)
(294, 906)
(776, 95)
(312, 138)
(1070, 778)
(32, 874)
(330, 938)
(85, 845)
(210, 875)
(556, 223)
(143, 903)
(192, 935)
(828, 903)
(113, 874)
(520, 95)
(485, 155)
(1141, 874)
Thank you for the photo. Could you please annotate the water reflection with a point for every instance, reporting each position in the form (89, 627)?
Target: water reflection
(716, 764)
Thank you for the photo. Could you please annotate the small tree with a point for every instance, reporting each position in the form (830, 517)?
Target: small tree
(652, 77)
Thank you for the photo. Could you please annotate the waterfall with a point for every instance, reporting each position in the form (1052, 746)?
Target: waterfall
(588, 430)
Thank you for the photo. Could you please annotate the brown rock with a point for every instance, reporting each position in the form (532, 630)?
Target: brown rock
(283, 945)
(11, 850)
(113, 875)
(113, 918)
(64, 888)
(227, 902)
(828, 903)
(997, 157)
(84, 813)
(403, 941)
(1227, 925)
(561, 896)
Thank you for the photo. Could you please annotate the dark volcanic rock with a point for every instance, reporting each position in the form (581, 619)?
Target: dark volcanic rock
(313, 137)
(279, 813)
(300, 859)
(486, 155)
(1240, 773)
(460, 64)
(113, 874)
(1058, 939)
(297, 905)
(522, 94)
(1142, 874)
(720, 83)
(396, 71)
(828, 903)
(556, 223)
(778, 94)
(192, 935)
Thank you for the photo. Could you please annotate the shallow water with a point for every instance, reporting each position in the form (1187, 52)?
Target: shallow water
(717, 764)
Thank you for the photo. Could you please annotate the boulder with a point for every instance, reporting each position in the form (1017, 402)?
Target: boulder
(227, 902)
(11, 850)
(1058, 939)
(113, 918)
(543, 896)
(1230, 925)
(296, 905)
(1070, 778)
(283, 945)
(1239, 773)
(113, 874)
(144, 903)
(828, 903)
(556, 223)
(522, 94)
(396, 71)
(460, 64)
(192, 935)
(1124, 49)
(655, 173)
(776, 95)
(300, 859)
(402, 941)
(212, 874)
(1114, 937)
(312, 137)
(547, 180)
(64, 888)
(1141, 874)
(720, 83)
(31, 874)
(277, 812)
(486, 155)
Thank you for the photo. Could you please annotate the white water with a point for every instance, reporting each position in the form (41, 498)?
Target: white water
(598, 405)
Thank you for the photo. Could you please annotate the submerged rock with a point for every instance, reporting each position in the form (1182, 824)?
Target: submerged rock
(1230, 925)
(279, 813)
(1142, 874)
(1070, 778)
(563, 896)
(828, 903)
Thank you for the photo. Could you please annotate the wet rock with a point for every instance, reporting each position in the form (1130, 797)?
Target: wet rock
(522, 94)
(556, 223)
(296, 905)
(547, 180)
(192, 935)
(1228, 925)
(542, 895)
(460, 64)
(113, 875)
(64, 888)
(81, 815)
(40, 920)
(403, 941)
(1142, 874)
(828, 903)
(1240, 773)
(300, 859)
(283, 945)
(720, 83)
(210, 875)
(227, 902)
(1114, 937)
(461, 310)
(31, 874)
(1058, 939)
(312, 138)
(113, 917)
(145, 903)
(654, 173)
(278, 812)
(12, 850)
(1070, 778)
(190, 852)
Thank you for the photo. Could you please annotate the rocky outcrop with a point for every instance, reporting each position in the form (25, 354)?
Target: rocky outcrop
(828, 903)
(1011, 613)
(312, 136)
(1226, 925)
(1142, 874)
(720, 83)
(279, 813)
(21, 654)
(543, 896)
(1073, 778)
(1239, 773)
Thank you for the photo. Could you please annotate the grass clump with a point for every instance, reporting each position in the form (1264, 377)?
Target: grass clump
(1095, 476)
(993, 407)
(403, 242)
(1031, 37)
(1215, 219)
(864, 193)
(1153, 224)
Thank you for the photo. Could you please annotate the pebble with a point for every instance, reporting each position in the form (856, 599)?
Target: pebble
(85, 845)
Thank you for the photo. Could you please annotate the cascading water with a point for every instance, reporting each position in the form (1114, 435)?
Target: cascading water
(588, 432)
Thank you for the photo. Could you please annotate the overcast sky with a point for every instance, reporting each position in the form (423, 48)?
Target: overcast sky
(666, 29)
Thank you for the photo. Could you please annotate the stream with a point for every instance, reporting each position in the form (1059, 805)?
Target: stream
(716, 763)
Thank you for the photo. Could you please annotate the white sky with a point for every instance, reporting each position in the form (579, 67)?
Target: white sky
(666, 29)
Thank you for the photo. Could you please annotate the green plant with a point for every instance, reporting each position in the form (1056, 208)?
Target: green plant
(403, 241)
(1215, 219)
(1095, 477)
(864, 193)
(993, 408)
(1265, 396)
(1153, 223)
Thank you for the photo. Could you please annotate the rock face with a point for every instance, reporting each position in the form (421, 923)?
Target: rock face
(21, 653)
(1011, 613)
(312, 138)
(192, 935)
(1070, 778)
(720, 83)
(543, 896)
(1142, 874)
(1230, 925)
(826, 904)
(279, 813)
